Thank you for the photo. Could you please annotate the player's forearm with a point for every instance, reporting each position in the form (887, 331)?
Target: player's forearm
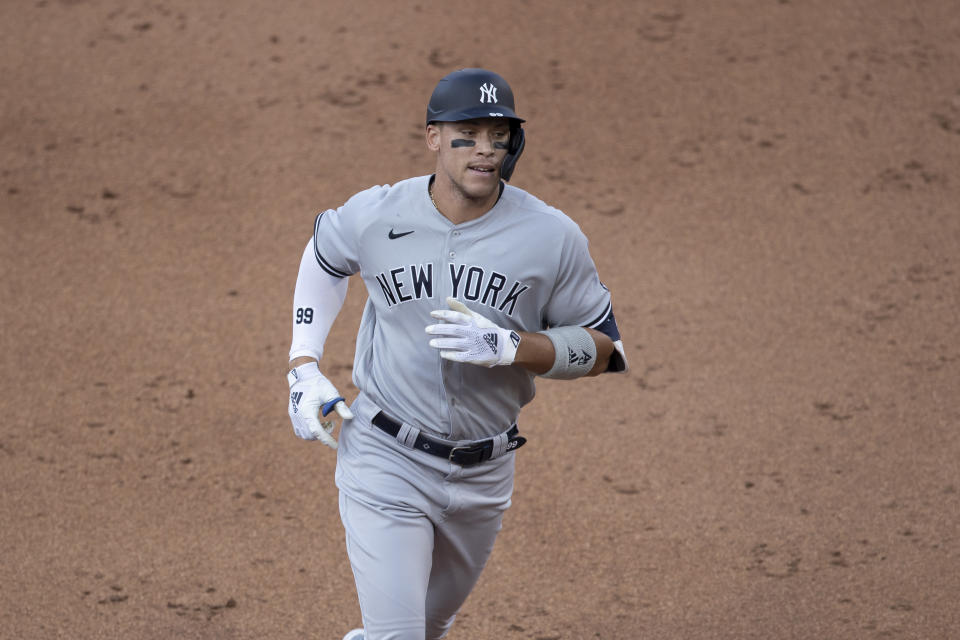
(604, 351)
(317, 301)
(536, 353)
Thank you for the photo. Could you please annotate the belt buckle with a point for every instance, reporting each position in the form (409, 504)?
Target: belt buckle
(473, 448)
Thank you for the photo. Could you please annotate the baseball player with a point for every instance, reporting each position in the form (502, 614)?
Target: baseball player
(474, 288)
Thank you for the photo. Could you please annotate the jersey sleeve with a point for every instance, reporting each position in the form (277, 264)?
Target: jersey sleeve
(334, 244)
(337, 233)
(579, 298)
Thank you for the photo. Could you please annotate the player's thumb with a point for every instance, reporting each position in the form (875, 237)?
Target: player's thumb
(343, 410)
(456, 305)
(479, 320)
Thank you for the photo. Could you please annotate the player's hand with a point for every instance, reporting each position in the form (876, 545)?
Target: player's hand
(312, 395)
(467, 336)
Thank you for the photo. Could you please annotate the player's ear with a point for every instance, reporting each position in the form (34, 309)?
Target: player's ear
(433, 136)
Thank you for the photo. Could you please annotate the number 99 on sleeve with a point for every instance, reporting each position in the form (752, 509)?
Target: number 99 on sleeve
(304, 315)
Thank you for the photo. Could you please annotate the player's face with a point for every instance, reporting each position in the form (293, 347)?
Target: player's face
(470, 153)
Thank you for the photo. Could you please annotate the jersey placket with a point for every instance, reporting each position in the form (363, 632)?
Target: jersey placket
(450, 373)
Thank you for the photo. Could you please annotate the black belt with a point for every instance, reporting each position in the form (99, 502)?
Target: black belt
(473, 453)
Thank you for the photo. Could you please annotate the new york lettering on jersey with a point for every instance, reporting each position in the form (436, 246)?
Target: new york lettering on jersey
(473, 283)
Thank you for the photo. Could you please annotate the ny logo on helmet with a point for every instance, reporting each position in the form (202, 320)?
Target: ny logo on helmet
(488, 93)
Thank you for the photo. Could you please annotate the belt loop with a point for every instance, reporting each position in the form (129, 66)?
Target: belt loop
(499, 445)
(407, 436)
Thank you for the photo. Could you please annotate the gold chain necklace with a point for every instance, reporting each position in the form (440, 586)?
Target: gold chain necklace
(430, 191)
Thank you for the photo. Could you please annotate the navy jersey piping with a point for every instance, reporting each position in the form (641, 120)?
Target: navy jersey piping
(600, 318)
(326, 266)
(608, 325)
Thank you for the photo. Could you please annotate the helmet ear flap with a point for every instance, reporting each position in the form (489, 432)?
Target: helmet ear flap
(517, 142)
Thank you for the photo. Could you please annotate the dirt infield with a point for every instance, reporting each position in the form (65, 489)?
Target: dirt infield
(772, 193)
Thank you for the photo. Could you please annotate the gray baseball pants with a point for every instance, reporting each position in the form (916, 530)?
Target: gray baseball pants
(419, 529)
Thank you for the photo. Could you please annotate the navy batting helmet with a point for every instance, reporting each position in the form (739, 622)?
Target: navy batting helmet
(477, 93)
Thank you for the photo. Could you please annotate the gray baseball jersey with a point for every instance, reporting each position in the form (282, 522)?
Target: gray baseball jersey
(523, 264)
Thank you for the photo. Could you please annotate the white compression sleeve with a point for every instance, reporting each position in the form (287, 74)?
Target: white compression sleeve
(317, 300)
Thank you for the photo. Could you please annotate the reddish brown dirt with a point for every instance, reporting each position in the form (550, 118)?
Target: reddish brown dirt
(771, 191)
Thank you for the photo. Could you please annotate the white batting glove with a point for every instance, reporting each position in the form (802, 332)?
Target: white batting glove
(312, 395)
(467, 336)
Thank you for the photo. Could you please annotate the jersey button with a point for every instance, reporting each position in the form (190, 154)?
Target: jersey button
(456, 234)
(453, 254)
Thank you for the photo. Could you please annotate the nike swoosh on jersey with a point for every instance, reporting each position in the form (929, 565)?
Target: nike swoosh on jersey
(393, 236)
